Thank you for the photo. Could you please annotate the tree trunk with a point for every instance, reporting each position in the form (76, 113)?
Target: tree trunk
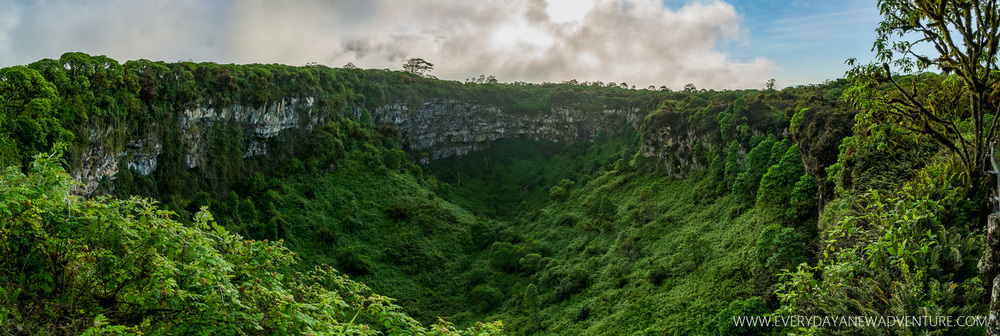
(989, 266)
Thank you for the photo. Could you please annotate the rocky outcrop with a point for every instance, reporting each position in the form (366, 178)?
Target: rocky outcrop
(100, 160)
(258, 124)
(444, 128)
(431, 130)
(676, 148)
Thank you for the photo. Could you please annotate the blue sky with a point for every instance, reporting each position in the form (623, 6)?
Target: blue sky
(720, 44)
(808, 40)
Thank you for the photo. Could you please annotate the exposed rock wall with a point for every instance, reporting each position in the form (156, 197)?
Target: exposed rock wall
(259, 124)
(677, 149)
(100, 160)
(440, 128)
(444, 128)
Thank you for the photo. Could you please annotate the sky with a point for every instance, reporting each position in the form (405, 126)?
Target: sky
(717, 44)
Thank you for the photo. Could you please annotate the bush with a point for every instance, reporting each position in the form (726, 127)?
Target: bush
(786, 191)
(353, 261)
(506, 256)
(567, 219)
(399, 212)
(657, 274)
(576, 281)
(108, 265)
(485, 297)
(902, 258)
(779, 248)
(755, 166)
(582, 314)
(558, 193)
(532, 262)
(602, 208)
(567, 184)
(723, 324)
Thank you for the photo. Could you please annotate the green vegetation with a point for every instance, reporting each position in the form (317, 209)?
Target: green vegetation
(597, 240)
(715, 205)
(107, 266)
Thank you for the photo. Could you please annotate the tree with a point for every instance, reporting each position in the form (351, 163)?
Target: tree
(603, 208)
(733, 166)
(79, 267)
(964, 37)
(417, 66)
(28, 120)
(689, 87)
(756, 164)
(786, 191)
(558, 193)
(770, 84)
(965, 41)
(24, 89)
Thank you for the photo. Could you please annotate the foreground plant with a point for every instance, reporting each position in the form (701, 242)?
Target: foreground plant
(110, 266)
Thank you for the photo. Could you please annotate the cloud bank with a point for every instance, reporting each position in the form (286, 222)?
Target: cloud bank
(640, 42)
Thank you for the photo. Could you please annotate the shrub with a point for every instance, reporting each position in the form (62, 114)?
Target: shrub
(657, 274)
(327, 236)
(567, 219)
(755, 166)
(485, 297)
(723, 323)
(786, 191)
(109, 265)
(532, 262)
(353, 261)
(897, 256)
(778, 248)
(398, 212)
(582, 314)
(567, 184)
(602, 208)
(558, 193)
(576, 281)
(506, 256)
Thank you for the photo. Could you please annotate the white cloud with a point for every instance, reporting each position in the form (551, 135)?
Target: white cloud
(635, 41)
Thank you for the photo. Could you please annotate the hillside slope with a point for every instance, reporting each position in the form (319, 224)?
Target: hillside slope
(556, 208)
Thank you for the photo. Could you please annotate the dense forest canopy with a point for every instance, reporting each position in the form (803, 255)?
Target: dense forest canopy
(149, 197)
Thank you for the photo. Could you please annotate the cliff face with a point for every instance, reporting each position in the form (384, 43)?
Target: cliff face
(258, 124)
(429, 130)
(444, 128)
(676, 148)
(439, 128)
(681, 141)
(102, 158)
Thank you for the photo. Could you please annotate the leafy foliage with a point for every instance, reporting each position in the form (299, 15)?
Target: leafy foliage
(503, 233)
(965, 47)
(28, 122)
(124, 266)
(899, 255)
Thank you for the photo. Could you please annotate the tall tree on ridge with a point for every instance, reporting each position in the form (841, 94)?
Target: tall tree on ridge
(964, 37)
(418, 66)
